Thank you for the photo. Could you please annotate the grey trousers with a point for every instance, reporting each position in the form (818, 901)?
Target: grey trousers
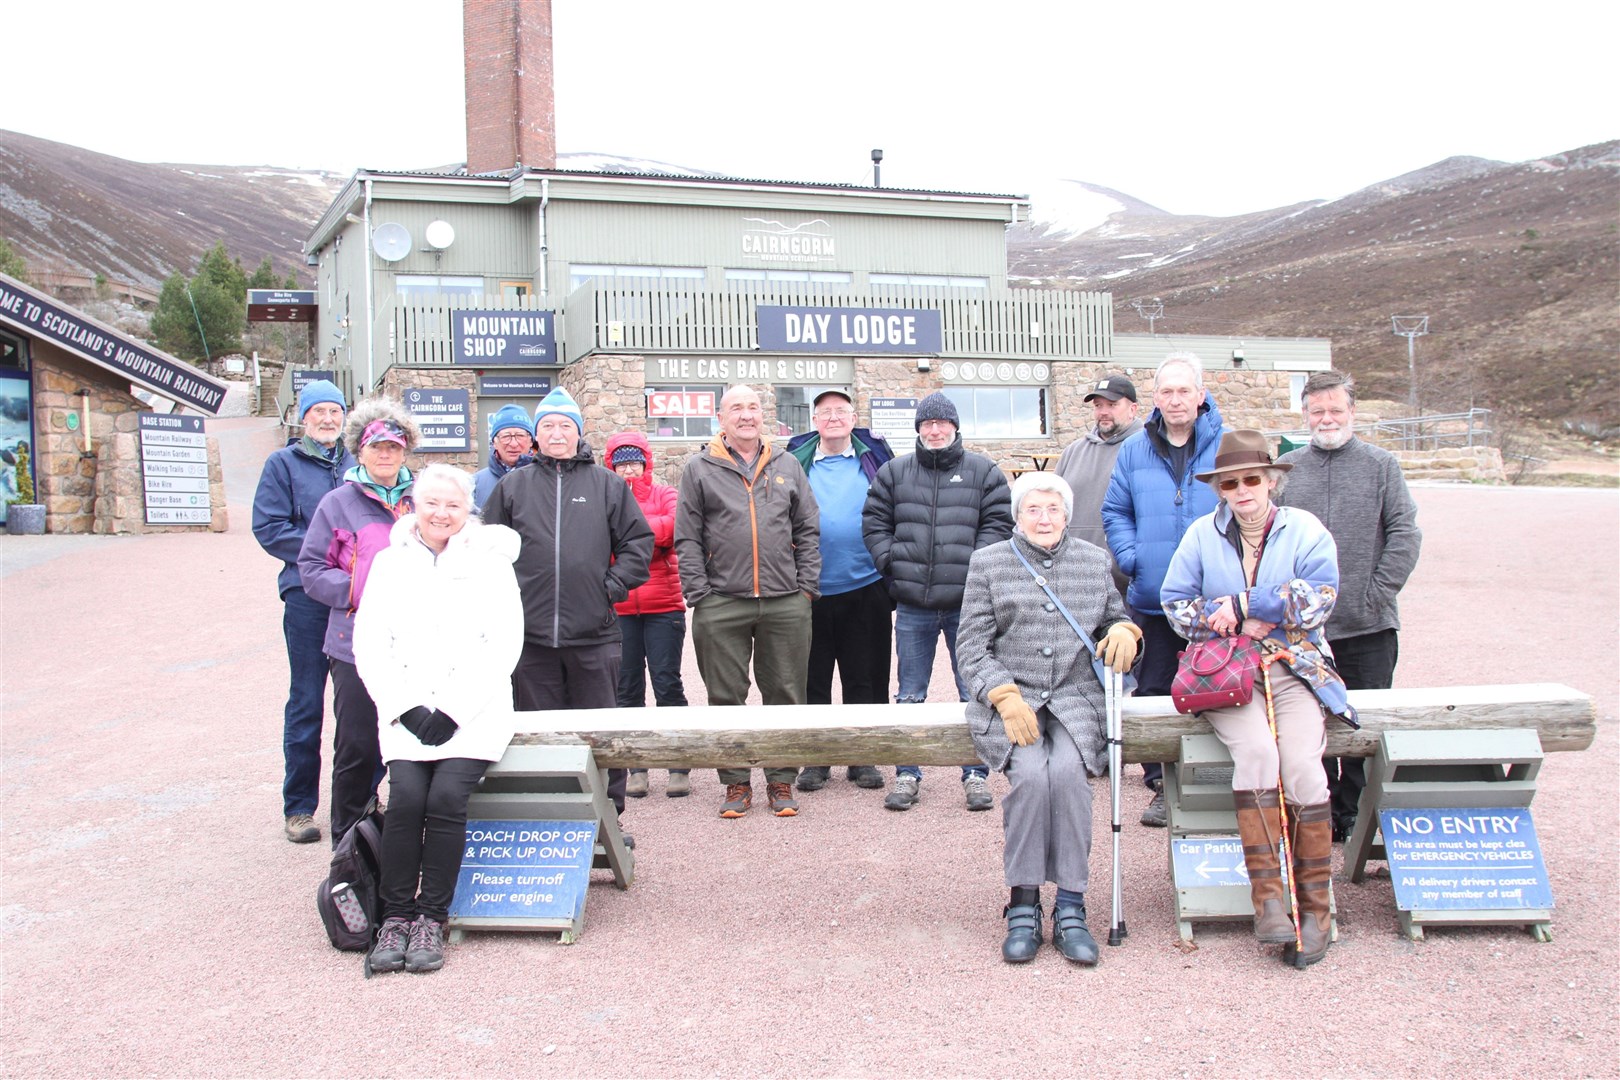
(1046, 814)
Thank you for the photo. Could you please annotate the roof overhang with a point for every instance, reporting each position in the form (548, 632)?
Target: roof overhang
(41, 318)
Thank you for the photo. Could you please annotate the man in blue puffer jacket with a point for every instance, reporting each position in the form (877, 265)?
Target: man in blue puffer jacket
(1152, 499)
(294, 481)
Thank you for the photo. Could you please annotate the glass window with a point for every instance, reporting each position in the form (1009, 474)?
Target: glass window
(422, 286)
(934, 281)
(683, 410)
(1000, 412)
(824, 277)
(580, 273)
(793, 409)
(513, 290)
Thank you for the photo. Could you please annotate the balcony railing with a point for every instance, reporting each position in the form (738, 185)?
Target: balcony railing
(675, 316)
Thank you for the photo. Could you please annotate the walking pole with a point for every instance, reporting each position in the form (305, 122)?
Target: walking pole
(1113, 691)
(1284, 856)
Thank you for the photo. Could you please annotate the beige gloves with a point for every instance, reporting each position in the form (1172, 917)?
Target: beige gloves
(1118, 646)
(1016, 715)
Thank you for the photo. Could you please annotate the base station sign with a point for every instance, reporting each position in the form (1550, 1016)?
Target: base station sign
(174, 469)
(524, 869)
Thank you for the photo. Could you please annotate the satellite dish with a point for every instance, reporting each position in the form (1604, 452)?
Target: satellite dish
(391, 241)
(439, 234)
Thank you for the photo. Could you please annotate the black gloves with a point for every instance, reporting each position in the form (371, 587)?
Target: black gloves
(430, 726)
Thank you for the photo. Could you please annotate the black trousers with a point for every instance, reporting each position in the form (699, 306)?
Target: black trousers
(357, 766)
(1365, 662)
(571, 677)
(1157, 672)
(424, 834)
(855, 632)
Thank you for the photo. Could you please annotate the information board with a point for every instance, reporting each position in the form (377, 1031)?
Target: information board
(895, 418)
(445, 417)
(1203, 862)
(524, 869)
(514, 385)
(489, 337)
(1451, 860)
(174, 469)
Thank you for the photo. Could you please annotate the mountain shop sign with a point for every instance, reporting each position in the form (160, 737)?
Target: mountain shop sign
(34, 314)
(502, 337)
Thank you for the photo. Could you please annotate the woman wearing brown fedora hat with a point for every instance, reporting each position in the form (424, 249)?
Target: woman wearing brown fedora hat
(1270, 574)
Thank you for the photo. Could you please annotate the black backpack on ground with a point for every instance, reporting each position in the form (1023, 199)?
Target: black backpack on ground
(349, 898)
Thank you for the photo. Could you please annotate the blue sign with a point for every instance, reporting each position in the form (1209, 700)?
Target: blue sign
(906, 331)
(524, 869)
(1205, 862)
(514, 385)
(486, 338)
(445, 418)
(1450, 860)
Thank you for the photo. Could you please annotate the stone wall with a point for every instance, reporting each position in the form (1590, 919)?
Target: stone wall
(99, 491)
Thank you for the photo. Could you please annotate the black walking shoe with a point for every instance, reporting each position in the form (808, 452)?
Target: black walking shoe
(865, 776)
(1070, 935)
(389, 952)
(814, 777)
(1023, 933)
(425, 952)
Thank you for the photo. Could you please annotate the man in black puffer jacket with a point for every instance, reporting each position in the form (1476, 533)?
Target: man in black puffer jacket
(927, 513)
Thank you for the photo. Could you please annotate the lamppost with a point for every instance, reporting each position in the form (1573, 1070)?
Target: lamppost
(1411, 327)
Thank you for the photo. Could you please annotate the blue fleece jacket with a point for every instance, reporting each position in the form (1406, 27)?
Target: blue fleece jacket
(294, 481)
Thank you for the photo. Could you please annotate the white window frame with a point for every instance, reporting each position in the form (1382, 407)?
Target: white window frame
(685, 434)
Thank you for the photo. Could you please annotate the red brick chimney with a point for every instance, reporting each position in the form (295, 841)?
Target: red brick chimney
(510, 100)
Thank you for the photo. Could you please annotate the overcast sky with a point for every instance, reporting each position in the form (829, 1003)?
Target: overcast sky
(1197, 108)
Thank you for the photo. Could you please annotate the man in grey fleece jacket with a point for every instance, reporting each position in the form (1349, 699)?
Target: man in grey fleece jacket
(1088, 462)
(1357, 491)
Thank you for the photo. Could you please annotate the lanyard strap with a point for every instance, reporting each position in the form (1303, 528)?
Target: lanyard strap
(1052, 596)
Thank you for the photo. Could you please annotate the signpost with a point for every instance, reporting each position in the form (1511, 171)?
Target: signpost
(445, 417)
(895, 418)
(174, 469)
(485, 338)
(281, 305)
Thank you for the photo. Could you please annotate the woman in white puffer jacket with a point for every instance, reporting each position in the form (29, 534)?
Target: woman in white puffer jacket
(435, 643)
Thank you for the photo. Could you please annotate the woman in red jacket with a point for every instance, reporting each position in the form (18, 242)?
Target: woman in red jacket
(653, 617)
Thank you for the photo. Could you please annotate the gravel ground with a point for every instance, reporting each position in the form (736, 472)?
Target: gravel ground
(153, 922)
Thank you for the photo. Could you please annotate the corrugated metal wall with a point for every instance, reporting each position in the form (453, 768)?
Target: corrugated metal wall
(1295, 354)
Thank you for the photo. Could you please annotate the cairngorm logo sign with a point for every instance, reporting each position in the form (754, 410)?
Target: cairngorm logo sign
(774, 241)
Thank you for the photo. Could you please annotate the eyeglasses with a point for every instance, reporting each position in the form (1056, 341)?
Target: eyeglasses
(514, 437)
(834, 414)
(1039, 512)
(1247, 481)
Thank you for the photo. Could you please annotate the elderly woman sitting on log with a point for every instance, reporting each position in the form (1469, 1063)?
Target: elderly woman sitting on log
(1036, 712)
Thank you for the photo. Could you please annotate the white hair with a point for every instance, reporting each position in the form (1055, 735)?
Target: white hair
(458, 478)
(1042, 481)
(1188, 360)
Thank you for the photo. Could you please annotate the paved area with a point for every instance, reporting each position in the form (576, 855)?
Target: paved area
(153, 922)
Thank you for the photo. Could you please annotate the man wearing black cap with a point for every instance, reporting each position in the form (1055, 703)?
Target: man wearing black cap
(851, 621)
(1087, 463)
(927, 514)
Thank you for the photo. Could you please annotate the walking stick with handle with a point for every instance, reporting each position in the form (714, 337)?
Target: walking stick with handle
(1284, 855)
(1113, 692)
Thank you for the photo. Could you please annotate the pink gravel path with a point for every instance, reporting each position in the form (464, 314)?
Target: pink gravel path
(153, 922)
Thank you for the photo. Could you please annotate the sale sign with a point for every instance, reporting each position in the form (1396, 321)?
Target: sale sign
(677, 403)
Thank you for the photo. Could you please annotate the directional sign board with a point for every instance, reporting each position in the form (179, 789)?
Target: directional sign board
(1209, 862)
(174, 469)
(513, 869)
(445, 417)
(895, 418)
(1465, 860)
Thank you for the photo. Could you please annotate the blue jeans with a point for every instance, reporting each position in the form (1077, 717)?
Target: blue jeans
(916, 636)
(303, 624)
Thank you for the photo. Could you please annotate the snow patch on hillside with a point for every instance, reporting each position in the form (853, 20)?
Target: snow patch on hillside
(1069, 208)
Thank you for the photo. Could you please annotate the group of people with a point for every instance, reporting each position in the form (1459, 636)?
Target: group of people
(832, 553)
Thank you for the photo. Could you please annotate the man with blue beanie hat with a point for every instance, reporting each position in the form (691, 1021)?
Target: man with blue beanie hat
(511, 446)
(295, 479)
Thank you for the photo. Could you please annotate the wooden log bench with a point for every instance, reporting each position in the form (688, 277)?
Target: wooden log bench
(935, 733)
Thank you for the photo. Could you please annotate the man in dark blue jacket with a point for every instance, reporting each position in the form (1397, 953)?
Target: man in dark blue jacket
(294, 480)
(1152, 498)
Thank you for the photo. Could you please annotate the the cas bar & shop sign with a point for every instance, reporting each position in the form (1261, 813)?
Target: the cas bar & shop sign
(481, 338)
(869, 331)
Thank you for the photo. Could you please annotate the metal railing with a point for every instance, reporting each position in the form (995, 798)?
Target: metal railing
(1431, 432)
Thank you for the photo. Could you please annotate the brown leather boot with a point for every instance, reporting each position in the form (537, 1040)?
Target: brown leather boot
(1259, 815)
(1312, 833)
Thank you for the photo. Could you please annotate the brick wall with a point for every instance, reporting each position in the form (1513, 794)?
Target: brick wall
(510, 111)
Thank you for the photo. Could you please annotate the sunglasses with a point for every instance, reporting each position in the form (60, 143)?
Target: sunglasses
(1247, 481)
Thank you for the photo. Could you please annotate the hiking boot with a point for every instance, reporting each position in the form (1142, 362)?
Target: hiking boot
(301, 829)
(739, 797)
(905, 793)
(1023, 938)
(1156, 816)
(782, 804)
(635, 785)
(425, 951)
(865, 776)
(977, 789)
(680, 785)
(814, 777)
(1070, 935)
(389, 952)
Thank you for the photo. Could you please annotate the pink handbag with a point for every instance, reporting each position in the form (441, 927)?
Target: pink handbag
(1216, 673)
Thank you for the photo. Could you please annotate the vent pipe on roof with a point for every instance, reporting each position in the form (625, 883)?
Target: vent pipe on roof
(877, 168)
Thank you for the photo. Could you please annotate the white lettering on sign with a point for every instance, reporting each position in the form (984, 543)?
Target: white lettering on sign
(877, 329)
(675, 403)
